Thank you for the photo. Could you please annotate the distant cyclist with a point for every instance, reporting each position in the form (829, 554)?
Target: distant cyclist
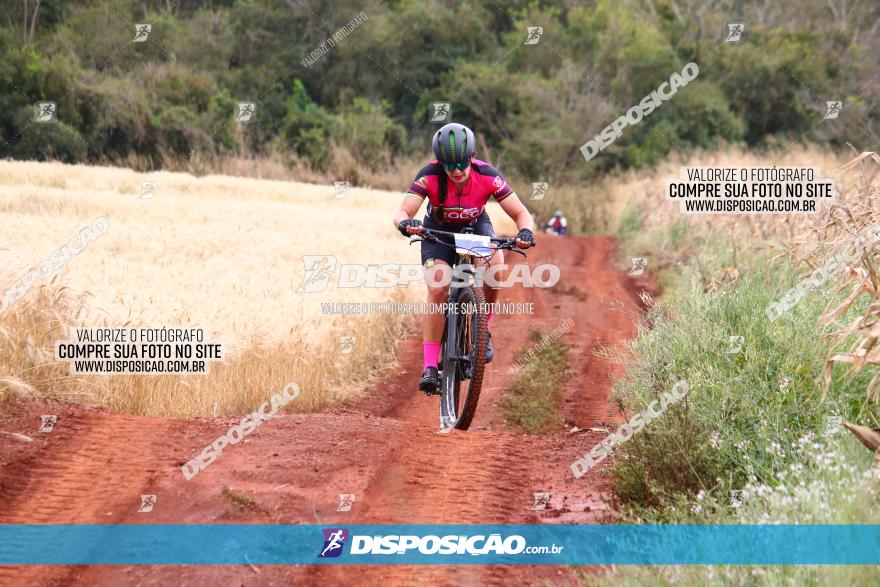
(457, 187)
(557, 224)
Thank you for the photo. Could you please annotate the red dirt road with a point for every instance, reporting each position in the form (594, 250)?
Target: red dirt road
(386, 450)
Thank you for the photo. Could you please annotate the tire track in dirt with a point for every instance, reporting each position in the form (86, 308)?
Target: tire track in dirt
(90, 470)
(386, 450)
(487, 475)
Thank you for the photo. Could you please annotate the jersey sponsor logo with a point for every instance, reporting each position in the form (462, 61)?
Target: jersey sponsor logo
(422, 181)
(466, 214)
(498, 182)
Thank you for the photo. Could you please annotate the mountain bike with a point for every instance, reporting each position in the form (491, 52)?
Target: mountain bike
(466, 331)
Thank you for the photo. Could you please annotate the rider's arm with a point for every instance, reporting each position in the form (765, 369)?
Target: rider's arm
(519, 213)
(419, 191)
(521, 216)
(409, 207)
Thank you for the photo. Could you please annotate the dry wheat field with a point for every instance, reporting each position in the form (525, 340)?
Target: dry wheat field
(218, 252)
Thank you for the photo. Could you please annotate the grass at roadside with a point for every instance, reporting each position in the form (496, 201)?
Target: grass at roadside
(755, 441)
(752, 390)
(536, 397)
(700, 576)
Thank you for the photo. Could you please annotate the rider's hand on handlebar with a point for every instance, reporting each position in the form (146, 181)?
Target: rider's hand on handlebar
(410, 226)
(525, 238)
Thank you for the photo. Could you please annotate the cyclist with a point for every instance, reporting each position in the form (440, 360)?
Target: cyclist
(557, 224)
(457, 187)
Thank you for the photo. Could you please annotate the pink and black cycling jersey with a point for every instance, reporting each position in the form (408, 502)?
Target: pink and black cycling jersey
(485, 182)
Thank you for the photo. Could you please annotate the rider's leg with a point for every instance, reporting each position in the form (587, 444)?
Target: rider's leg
(495, 275)
(437, 278)
(494, 278)
(432, 323)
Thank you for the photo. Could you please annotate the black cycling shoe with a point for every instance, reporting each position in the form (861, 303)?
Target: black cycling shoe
(490, 352)
(430, 381)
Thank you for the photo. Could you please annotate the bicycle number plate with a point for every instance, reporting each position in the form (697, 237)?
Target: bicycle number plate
(473, 244)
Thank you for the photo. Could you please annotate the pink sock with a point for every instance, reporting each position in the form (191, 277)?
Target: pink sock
(431, 351)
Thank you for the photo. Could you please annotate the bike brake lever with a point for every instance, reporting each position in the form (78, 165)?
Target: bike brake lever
(423, 237)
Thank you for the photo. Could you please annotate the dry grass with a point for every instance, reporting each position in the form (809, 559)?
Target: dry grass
(805, 240)
(284, 166)
(647, 189)
(599, 206)
(219, 252)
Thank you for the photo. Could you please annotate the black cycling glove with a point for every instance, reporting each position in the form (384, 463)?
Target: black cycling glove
(404, 224)
(526, 235)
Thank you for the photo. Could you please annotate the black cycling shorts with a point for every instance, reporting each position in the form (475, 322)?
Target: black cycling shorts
(435, 251)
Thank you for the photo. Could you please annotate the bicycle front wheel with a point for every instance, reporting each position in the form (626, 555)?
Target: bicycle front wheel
(464, 368)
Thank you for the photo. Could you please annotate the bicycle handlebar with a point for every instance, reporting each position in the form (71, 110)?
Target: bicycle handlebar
(503, 242)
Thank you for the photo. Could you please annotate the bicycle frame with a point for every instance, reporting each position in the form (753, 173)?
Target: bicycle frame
(452, 325)
(456, 366)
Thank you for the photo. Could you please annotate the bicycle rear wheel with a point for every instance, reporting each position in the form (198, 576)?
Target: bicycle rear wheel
(470, 338)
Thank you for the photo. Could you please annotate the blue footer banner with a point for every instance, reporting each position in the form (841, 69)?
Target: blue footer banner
(355, 544)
